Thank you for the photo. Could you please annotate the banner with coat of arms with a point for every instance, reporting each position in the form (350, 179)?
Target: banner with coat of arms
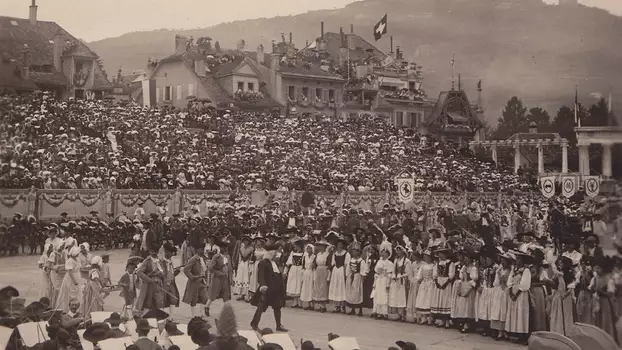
(591, 185)
(405, 187)
(569, 185)
(547, 186)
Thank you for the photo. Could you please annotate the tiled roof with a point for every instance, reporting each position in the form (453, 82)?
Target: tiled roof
(214, 90)
(443, 99)
(313, 70)
(54, 78)
(10, 77)
(333, 46)
(18, 36)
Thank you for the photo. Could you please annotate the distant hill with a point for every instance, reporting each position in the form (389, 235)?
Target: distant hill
(525, 48)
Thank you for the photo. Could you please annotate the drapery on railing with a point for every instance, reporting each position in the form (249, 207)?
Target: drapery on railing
(51, 203)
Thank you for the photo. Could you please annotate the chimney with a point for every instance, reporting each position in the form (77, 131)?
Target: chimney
(275, 61)
(260, 54)
(322, 29)
(391, 52)
(58, 54)
(199, 67)
(33, 12)
(351, 28)
(290, 37)
(398, 53)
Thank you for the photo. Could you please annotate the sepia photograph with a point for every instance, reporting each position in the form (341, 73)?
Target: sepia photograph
(311, 174)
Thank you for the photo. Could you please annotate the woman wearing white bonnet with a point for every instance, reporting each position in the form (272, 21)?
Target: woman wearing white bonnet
(306, 291)
(70, 287)
(93, 300)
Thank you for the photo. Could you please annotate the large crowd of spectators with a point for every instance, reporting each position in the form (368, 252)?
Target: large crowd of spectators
(81, 144)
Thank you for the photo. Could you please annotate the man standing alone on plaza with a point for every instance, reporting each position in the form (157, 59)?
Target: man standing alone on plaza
(270, 289)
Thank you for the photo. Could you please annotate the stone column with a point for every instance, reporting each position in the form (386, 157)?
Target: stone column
(584, 160)
(516, 158)
(494, 155)
(607, 160)
(564, 158)
(540, 159)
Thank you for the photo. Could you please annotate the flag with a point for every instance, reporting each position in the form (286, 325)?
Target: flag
(380, 28)
(453, 60)
(577, 121)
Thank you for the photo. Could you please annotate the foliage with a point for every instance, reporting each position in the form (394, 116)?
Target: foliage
(514, 119)
(541, 117)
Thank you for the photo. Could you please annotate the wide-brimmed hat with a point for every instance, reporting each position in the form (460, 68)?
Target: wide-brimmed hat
(168, 247)
(9, 292)
(406, 345)
(157, 314)
(142, 324)
(96, 332)
(171, 328)
(114, 319)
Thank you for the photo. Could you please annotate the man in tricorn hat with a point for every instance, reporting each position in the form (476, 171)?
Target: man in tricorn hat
(270, 289)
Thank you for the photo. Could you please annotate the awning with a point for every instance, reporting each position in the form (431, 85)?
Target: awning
(457, 118)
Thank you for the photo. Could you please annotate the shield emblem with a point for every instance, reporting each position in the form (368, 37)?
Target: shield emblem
(592, 185)
(548, 186)
(405, 187)
(569, 186)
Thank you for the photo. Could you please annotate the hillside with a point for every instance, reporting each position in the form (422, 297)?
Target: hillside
(517, 47)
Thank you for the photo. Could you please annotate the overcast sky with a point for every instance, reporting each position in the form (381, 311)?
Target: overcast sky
(96, 19)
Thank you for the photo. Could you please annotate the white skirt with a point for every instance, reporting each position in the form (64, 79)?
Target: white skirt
(294, 281)
(337, 286)
(306, 289)
(242, 278)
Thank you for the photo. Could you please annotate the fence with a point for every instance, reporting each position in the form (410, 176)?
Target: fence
(51, 203)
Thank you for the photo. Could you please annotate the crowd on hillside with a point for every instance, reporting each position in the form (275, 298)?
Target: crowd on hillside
(94, 144)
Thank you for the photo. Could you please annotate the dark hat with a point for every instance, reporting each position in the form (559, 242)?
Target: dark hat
(157, 314)
(270, 346)
(406, 345)
(196, 323)
(9, 292)
(135, 260)
(93, 212)
(9, 322)
(96, 332)
(63, 214)
(593, 238)
(271, 247)
(169, 247)
(114, 319)
(154, 215)
(143, 325)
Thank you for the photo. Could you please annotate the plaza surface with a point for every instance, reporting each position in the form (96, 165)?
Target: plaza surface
(22, 272)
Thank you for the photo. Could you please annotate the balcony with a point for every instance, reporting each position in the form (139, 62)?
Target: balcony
(362, 85)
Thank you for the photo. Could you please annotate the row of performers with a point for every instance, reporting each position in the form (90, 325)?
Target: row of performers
(505, 293)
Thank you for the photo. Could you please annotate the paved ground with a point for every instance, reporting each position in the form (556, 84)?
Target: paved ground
(22, 272)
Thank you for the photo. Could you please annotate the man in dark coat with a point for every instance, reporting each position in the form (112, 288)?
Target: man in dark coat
(270, 289)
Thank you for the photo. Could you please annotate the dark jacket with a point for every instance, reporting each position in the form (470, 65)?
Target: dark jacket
(273, 280)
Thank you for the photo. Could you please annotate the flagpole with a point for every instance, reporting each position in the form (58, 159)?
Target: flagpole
(453, 61)
(577, 120)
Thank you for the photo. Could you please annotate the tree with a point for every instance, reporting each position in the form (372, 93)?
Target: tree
(540, 117)
(514, 119)
(564, 124)
(598, 114)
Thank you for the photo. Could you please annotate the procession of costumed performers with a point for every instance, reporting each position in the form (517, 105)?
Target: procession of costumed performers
(472, 281)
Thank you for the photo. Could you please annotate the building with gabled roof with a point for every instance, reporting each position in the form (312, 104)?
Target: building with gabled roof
(50, 57)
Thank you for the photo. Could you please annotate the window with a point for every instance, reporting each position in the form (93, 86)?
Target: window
(411, 85)
(178, 93)
(331, 94)
(305, 92)
(318, 93)
(399, 118)
(167, 93)
(251, 87)
(291, 92)
(190, 89)
(240, 85)
(157, 94)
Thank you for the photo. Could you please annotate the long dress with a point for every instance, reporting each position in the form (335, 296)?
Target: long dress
(355, 272)
(46, 289)
(441, 297)
(399, 283)
(413, 288)
(255, 259)
(380, 294)
(306, 290)
(243, 273)
(368, 282)
(320, 277)
(537, 301)
(584, 300)
(56, 262)
(455, 286)
(337, 285)
(561, 317)
(425, 278)
(485, 298)
(294, 274)
(499, 299)
(465, 303)
(93, 300)
(603, 286)
(517, 320)
(68, 289)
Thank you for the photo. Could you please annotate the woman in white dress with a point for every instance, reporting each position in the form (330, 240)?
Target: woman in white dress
(257, 256)
(294, 272)
(306, 290)
(46, 290)
(384, 268)
(242, 275)
(321, 275)
(498, 306)
(56, 264)
(70, 287)
(340, 258)
(399, 282)
(413, 288)
(425, 278)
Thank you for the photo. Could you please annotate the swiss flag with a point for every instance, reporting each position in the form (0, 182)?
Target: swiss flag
(380, 28)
